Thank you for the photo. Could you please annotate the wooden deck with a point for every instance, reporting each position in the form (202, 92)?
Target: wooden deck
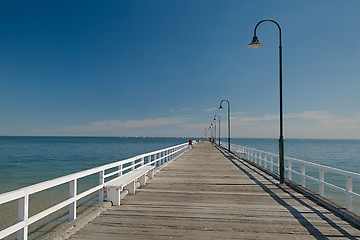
(207, 194)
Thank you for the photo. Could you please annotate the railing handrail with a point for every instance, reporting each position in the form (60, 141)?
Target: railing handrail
(4, 197)
(22, 195)
(260, 157)
(330, 169)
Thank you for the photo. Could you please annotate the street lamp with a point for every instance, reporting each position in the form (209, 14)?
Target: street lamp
(211, 132)
(219, 126)
(228, 121)
(214, 122)
(256, 44)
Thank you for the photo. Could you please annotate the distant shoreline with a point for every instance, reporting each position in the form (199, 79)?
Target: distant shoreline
(223, 138)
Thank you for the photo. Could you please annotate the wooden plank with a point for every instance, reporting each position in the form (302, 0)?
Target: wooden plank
(207, 194)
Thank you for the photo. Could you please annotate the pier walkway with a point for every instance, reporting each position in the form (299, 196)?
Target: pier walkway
(208, 194)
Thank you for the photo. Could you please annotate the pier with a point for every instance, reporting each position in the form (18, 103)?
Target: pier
(208, 193)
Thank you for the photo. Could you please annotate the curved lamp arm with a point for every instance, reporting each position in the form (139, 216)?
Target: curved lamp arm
(255, 42)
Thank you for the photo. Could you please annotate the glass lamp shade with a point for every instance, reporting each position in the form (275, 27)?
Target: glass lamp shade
(255, 43)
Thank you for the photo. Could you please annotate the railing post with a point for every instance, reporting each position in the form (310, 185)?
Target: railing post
(265, 160)
(72, 206)
(349, 189)
(154, 161)
(272, 163)
(120, 170)
(290, 169)
(132, 165)
(303, 174)
(321, 181)
(158, 155)
(101, 182)
(160, 161)
(142, 161)
(23, 215)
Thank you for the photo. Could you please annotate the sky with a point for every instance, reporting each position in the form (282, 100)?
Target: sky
(161, 68)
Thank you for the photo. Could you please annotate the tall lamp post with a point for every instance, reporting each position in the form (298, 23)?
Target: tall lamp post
(228, 120)
(256, 44)
(214, 122)
(219, 126)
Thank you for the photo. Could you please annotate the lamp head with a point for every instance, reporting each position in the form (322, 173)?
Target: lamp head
(255, 43)
(220, 106)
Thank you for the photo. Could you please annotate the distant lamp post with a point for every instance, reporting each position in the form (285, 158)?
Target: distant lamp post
(228, 120)
(219, 126)
(214, 124)
(256, 44)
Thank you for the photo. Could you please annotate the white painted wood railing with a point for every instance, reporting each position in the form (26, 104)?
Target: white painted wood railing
(313, 172)
(105, 172)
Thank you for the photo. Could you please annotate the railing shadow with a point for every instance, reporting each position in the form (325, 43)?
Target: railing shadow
(297, 215)
(54, 221)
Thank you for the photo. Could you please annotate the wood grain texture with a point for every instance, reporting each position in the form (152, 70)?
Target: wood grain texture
(208, 194)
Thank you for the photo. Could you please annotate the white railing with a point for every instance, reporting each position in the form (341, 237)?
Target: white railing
(105, 172)
(305, 171)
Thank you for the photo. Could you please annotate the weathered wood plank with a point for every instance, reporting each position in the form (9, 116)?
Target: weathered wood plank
(206, 194)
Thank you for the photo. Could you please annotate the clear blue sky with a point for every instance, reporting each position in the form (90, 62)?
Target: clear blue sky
(160, 68)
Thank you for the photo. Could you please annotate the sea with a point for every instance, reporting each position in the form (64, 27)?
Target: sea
(29, 160)
(338, 153)
(342, 154)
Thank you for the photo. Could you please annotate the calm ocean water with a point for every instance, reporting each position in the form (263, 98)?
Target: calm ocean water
(29, 160)
(342, 154)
